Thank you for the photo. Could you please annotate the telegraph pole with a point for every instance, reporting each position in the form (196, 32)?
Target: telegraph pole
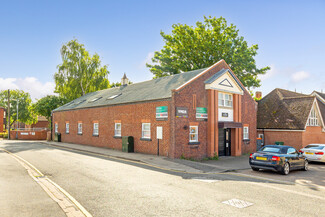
(8, 116)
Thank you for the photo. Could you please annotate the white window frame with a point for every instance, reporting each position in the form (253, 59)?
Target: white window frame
(195, 133)
(225, 100)
(95, 129)
(143, 130)
(246, 132)
(79, 128)
(67, 128)
(56, 128)
(118, 132)
(313, 118)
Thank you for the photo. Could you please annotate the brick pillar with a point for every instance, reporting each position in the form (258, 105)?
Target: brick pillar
(216, 128)
(237, 137)
(211, 123)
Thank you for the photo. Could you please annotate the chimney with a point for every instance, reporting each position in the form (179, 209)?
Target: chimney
(258, 94)
(124, 80)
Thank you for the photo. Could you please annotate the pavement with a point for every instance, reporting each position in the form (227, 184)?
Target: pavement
(223, 164)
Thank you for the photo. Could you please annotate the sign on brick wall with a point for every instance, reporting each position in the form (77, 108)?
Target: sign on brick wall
(201, 113)
(181, 112)
(161, 112)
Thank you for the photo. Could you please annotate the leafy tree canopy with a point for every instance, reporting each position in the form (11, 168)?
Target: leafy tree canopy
(25, 112)
(188, 48)
(47, 104)
(79, 73)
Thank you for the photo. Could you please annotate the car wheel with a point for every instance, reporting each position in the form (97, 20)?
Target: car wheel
(286, 169)
(306, 165)
(255, 169)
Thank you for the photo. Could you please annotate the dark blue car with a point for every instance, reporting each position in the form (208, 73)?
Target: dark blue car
(278, 158)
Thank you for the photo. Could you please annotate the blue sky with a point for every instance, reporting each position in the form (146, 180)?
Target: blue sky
(290, 35)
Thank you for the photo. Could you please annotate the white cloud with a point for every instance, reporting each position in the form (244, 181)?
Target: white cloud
(299, 76)
(269, 74)
(32, 85)
(148, 60)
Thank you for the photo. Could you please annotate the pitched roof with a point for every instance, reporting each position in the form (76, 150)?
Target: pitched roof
(283, 109)
(321, 94)
(155, 89)
(222, 72)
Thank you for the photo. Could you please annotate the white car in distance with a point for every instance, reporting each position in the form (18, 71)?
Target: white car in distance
(314, 152)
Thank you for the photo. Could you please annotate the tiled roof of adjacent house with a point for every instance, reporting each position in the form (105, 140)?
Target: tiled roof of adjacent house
(283, 109)
(156, 89)
(321, 94)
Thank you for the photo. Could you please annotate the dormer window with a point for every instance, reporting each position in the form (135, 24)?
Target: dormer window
(95, 99)
(114, 96)
(313, 118)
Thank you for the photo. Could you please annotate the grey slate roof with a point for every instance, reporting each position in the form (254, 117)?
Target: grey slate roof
(321, 94)
(155, 89)
(283, 109)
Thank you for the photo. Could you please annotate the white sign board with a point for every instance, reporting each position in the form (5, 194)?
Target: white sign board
(159, 132)
(225, 114)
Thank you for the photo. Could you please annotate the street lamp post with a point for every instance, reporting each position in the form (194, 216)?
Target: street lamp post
(17, 126)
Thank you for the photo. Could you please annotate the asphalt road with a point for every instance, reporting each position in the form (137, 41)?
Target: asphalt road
(106, 187)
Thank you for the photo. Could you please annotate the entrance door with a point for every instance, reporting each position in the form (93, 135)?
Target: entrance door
(224, 148)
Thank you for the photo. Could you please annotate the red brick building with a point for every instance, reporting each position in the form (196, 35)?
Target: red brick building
(293, 118)
(201, 113)
(2, 119)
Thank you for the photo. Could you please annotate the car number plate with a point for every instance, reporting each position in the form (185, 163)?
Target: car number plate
(261, 158)
(309, 153)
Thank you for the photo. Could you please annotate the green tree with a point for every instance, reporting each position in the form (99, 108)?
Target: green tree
(79, 73)
(47, 104)
(25, 111)
(188, 48)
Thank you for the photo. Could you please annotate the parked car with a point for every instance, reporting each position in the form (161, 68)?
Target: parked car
(314, 152)
(278, 158)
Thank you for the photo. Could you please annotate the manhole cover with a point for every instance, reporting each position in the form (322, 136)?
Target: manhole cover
(238, 203)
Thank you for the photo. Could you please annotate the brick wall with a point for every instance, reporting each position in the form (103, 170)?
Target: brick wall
(131, 117)
(291, 138)
(249, 117)
(29, 135)
(296, 139)
(184, 98)
(313, 135)
(1, 120)
(40, 124)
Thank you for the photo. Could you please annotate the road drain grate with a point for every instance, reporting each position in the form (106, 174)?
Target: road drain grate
(238, 203)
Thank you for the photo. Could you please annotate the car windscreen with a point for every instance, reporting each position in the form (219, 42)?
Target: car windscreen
(317, 147)
(272, 149)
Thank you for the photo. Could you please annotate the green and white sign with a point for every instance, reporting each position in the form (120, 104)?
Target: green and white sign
(162, 112)
(201, 113)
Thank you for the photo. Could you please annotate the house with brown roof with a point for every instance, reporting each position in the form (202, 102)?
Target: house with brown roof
(292, 118)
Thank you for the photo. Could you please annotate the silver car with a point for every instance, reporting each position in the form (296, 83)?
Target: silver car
(314, 152)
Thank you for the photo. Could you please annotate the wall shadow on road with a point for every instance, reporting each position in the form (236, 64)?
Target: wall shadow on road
(16, 146)
(207, 176)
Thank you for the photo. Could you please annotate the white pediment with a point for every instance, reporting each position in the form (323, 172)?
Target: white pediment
(225, 83)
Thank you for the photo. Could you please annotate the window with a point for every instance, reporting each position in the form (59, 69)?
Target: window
(245, 133)
(194, 134)
(291, 151)
(146, 130)
(80, 128)
(66, 127)
(95, 99)
(225, 99)
(118, 129)
(95, 131)
(313, 118)
(56, 127)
